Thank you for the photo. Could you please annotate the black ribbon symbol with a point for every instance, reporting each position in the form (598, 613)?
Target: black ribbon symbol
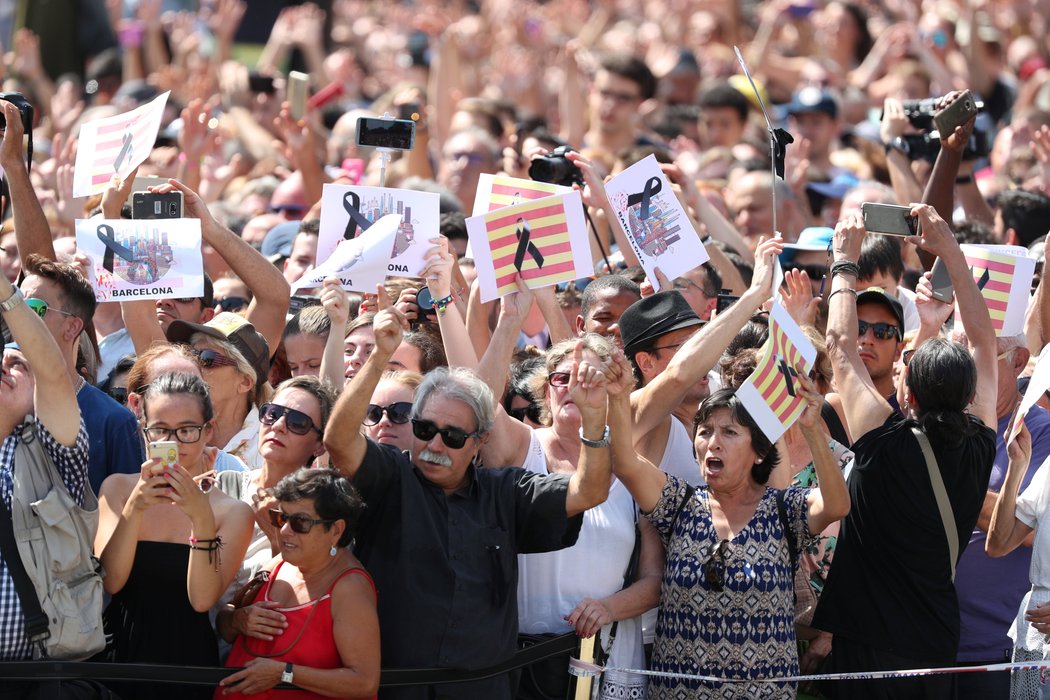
(985, 278)
(652, 188)
(105, 234)
(352, 206)
(125, 152)
(789, 373)
(523, 233)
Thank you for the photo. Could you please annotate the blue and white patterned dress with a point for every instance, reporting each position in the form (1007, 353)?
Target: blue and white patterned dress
(748, 629)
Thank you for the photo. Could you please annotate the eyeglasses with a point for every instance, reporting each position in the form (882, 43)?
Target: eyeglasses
(398, 413)
(532, 411)
(40, 307)
(119, 394)
(715, 567)
(558, 378)
(673, 346)
(683, 283)
(298, 521)
(186, 434)
(881, 330)
(232, 304)
(208, 359)
(289, 208)
(297, 421)
(189, 300)
(452, 437)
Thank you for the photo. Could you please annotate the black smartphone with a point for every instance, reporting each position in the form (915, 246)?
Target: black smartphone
(153, 205)
(409, 111)
(955, 114)
(941, 282)
(725, 300)
(890, 219)
(389, 134)
(298, 302)
(257, 82)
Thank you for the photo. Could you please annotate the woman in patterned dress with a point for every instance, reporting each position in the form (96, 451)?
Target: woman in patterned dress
(726, 603)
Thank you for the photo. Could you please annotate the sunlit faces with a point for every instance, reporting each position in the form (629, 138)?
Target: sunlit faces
(407, 356)
(386, 431)
(751, 202)
(62, 326)
(878, 355)
(174, 411)
(440, 464)
(614, 102)
(603, 317)
(279, 445)
(304, 353)
(356, 348)
(301, 260)
(316, 542)
(189, 310)
(724, 449)
(16, 386)
(722, 126)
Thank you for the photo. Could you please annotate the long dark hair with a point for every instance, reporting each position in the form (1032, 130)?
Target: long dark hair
(942, 378)
(766, 450)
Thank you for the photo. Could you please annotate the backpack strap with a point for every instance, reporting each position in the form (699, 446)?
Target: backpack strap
(944, 506)
(38, 628)
(789, 532)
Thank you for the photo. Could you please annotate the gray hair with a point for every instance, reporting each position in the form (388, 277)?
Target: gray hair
(460, 384)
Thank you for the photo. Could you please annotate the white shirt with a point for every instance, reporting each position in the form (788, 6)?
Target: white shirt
(245, 442)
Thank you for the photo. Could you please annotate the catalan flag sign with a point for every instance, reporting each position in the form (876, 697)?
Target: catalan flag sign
(771, 394)
(115, 146)
(654, 221)
(543, 240)
(1038, 385)
(1004, 276)
(498, 191)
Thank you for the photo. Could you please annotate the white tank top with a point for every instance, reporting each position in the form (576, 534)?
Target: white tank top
(678, 459)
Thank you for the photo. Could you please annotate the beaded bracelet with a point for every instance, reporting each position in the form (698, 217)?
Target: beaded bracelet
(442, 304)
(850, 290)
(846, 267)
(213, 545)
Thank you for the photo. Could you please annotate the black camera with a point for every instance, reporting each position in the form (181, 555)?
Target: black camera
(920, 112)
(555, 169)
(926, 147)
(24, 109)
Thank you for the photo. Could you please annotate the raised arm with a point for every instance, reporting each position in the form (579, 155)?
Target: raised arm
(937, 240)
(940, 188)
(641, 477)
(271, 291)
(866, 409)
(699, 354)
(31, 228)
(1006, 532)
(337, 307)
(343, 438)
(589, 484)
(830, 500)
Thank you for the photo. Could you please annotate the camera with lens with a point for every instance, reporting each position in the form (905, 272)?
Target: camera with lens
(555, 169)
(920, 112)
(926, 146)
(24, 109)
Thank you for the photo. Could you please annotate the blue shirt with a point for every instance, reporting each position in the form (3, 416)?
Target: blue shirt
(114, 441)
(990, 589)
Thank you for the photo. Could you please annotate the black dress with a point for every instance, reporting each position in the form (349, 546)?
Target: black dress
(152, 622)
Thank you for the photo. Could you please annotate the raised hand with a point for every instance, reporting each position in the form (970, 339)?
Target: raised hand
(933, 313)
(438, 271)
(517, 304)
(586, 379)
(935, 236)
(765, 263)
(798, 298)
(849, 236)
(389, 324)
(807, 389)
(335, 302)
(621, 379)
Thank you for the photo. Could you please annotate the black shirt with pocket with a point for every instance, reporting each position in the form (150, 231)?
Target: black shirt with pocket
(890, 585)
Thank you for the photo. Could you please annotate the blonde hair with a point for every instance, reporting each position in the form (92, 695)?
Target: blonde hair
(261, 391)
(537, 381)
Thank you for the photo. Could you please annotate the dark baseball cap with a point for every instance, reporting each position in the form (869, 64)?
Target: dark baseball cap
(653, 316)
(878, 295)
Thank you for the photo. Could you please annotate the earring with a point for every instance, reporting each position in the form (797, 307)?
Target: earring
(333, 551)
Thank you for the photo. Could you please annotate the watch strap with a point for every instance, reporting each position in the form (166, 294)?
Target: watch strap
(286, 677)
(12, 301)
(604, 442)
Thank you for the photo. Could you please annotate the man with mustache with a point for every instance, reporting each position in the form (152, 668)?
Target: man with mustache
(439, 536)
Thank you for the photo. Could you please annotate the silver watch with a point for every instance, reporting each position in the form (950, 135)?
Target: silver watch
(12, 301)
(286, 676)
(604, 442)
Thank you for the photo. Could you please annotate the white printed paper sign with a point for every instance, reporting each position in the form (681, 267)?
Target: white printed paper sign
(498, 191)
(115, 146)
(348, 210)
(1004, 275)
(143, 259)
(360, 262)
(654, 222)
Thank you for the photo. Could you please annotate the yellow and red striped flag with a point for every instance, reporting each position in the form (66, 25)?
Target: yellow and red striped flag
(543, 240)
(498, 191)
(771, 393)
(1004, 276)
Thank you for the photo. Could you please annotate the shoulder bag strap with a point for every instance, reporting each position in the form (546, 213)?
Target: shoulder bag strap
(789, 532)
(941, 494)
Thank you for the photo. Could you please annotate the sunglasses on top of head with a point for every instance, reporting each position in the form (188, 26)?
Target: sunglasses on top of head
(452, 437)
(398, 413)
(297, 421)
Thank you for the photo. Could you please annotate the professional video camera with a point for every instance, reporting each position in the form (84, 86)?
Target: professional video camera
(554, 168)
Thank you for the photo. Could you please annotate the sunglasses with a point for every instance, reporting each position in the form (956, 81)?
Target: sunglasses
(815, 272)
(208, 359)
(298, 521)
(232, 304)
(881, 330)
(452, 437)
(205, 481)
(297, 421)
(189, 300)
(715, 567)
(558, 378)
(532, 411)
(398, 413)
(40, 308)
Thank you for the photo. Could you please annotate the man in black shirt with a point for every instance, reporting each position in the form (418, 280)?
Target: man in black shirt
(441, 537)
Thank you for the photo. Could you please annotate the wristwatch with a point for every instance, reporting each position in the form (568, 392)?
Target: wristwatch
(899, 144)
(604, 442)
(286, 677)
(12, 301)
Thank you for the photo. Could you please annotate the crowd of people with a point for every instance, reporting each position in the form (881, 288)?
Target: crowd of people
(369, 479)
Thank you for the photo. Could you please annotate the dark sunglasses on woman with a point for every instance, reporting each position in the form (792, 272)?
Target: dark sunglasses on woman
(299, 522)
(209, 358)
(297, 421)
(532, 411)
(452, 437)
(398, 413)
(715, 567)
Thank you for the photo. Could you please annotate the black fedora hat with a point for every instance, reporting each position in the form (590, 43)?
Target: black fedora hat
(654, 316)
